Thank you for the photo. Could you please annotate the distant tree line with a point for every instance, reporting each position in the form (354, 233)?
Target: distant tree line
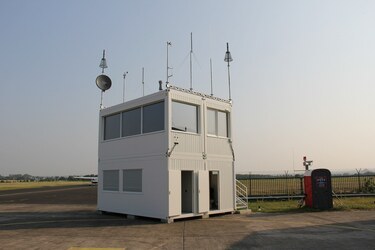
(31, 178)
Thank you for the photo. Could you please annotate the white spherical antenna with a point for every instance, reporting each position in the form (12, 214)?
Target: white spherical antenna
(103, 82)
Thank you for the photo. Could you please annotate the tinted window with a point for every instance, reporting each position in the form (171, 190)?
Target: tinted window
(153, 117)
(112, 127)
(184, 117)
(111, 180)
(131, 122)
(222, 124)
(132, 180)
(211, 122)
(217, 123)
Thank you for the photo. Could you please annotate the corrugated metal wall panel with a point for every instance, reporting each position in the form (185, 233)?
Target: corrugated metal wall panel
(187, 143)
(185, 164)
(218, 146)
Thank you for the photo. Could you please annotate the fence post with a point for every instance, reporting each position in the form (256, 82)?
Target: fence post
(287, 183)
(249, 189)
(359, 179)
(301, 185)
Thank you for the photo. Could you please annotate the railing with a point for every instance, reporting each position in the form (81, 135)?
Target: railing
(293, 186)
(241, 196)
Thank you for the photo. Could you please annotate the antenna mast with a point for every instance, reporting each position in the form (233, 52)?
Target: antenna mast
(143, 81)
(228, 59)
(168, 68)
(123, 88)
(212, 93)
(102, 81)
(191, 63)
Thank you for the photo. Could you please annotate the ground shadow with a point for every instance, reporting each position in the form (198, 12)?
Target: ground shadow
(71, 219)
(353, 235)
(52, 195)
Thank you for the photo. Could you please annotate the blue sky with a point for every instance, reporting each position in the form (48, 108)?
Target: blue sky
(302, 76)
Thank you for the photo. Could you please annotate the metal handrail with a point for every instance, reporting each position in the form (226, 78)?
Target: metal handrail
(241, 195)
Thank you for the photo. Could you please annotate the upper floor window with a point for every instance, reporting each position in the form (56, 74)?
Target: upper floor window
(131, 122)
(217, 123)
(146, 119)
(112, 126)
(184, 117)
(153, 117)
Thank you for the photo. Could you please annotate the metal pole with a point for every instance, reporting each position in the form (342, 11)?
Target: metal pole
(101, 99)
(230, 98)
(167, 65)
(359, 179)
(168, 68)
(249, 184)
(123, 88)
(211, 77)
(143, 81)
(191, 64)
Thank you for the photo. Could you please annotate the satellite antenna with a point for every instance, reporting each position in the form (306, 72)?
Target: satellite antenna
(102, 81)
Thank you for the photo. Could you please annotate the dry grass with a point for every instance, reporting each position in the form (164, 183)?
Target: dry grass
(277, 206)
(27, 185)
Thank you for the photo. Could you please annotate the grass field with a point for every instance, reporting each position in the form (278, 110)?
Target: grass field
(27, 185)
(277, 206)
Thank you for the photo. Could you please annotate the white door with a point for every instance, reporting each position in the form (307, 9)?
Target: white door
(174, 192)
(203, 191)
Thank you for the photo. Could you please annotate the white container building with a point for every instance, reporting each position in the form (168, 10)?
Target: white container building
(167, 155)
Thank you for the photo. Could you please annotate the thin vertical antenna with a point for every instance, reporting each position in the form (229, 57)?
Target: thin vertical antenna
(212, 92)
(168, 68)
(123, 88)
(143, 81)
(230, 97)
(191, 64)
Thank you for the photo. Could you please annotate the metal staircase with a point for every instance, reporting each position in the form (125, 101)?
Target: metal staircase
(241, 196)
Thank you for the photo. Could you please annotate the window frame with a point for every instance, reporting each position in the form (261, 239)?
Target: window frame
(227, 116)
(141, 107)
(124, 182)
(122, 121)
(118, 180)
(197, 117)
(142, 117)
(105, 126)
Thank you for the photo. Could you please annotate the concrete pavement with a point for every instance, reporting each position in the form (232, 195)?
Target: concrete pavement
(66, 219)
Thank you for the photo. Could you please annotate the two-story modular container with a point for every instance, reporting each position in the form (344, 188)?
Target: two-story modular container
(167, 155)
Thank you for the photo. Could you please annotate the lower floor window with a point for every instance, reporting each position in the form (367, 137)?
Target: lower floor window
(111, 180)
(132, 180)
